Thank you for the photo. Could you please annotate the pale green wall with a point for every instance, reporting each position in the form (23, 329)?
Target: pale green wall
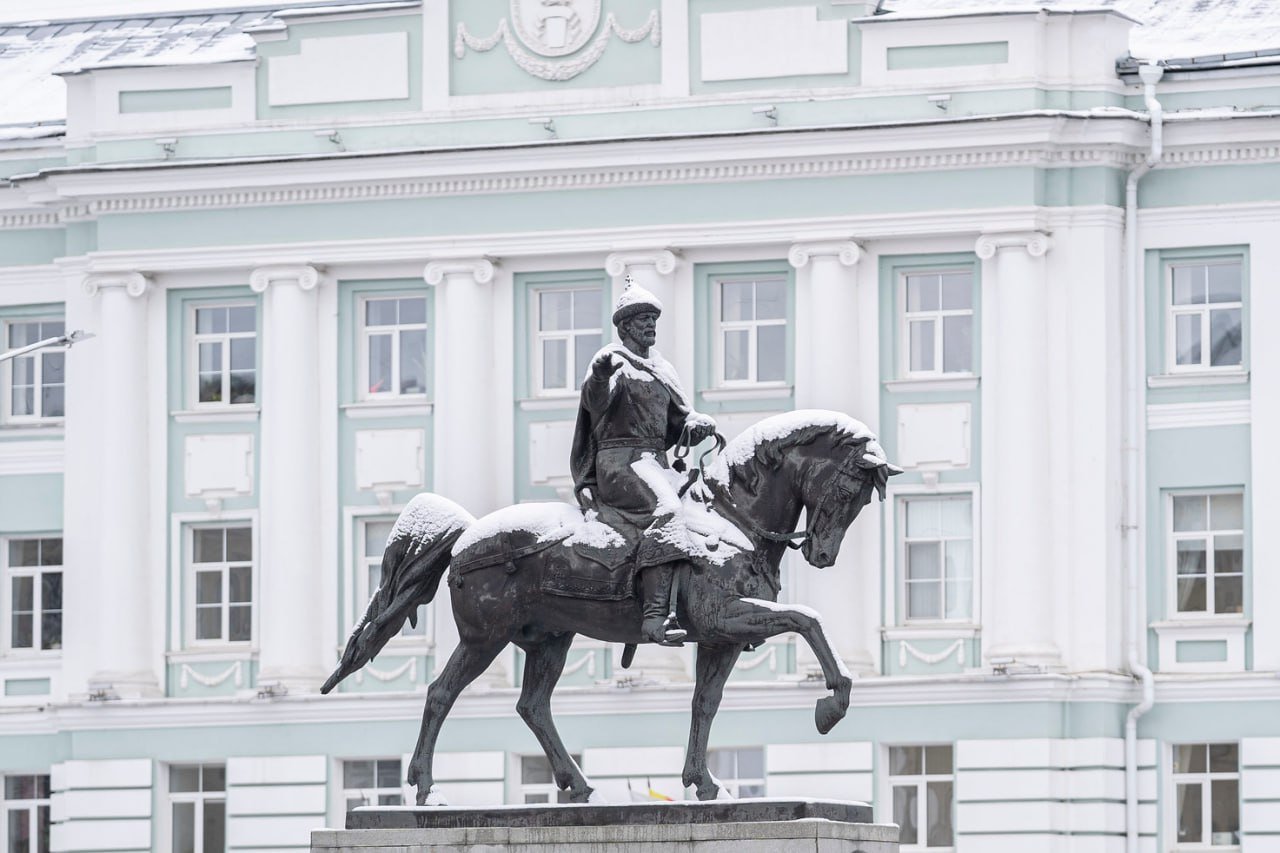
(22, 247)
(948, 55)
(30, 503)
(170, 100)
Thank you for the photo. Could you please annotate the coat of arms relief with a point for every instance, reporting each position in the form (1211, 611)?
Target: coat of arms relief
(537, 33)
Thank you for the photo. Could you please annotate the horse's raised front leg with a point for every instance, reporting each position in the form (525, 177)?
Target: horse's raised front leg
(465, 665)
(543, 664)
(714, 666)
(755, 617)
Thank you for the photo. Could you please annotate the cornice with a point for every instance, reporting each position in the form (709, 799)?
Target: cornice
(133, 283)
(29, 219)
(662, 260)
(303, 275)
(846, 252)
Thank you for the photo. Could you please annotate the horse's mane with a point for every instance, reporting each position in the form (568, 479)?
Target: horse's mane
(762, 449)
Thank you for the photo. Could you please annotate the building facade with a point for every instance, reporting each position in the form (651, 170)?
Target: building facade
(335, 256)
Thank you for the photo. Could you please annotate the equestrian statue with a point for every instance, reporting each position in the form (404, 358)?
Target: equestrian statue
(652, 553)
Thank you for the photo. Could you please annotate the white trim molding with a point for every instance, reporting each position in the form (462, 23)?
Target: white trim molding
(305, 276)
(846, 252)
(1198, 378)
(31, 457)
(662, 260)
(133, 283)
(1226, 629)
(481, 269)
(1200, 414)
(1036, 243)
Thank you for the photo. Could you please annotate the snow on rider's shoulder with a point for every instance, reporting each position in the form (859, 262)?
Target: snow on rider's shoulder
(784, 424)
(428, 516)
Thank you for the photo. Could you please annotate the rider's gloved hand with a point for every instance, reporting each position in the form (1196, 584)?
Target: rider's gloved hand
(701, 427)
(603, 367)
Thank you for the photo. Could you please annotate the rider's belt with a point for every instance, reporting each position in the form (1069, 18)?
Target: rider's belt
(657, 445)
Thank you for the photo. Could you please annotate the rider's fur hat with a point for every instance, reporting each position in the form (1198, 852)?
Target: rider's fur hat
(634, 300)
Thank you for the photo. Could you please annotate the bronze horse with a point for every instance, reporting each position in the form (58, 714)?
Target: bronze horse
(822, 462)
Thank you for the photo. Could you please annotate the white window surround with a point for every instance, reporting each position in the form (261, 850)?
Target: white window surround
(396, 331)
(37, 362)
(224, 367)
(752, 329)
(208, 801)
(39, 606)
(894, 599)
(593, 334)
(906, 317)
(1228, 629)
(1202, 310)
(920, 782)
(182, 593)
(1172, 537)
(386, 776)
(1169, 794)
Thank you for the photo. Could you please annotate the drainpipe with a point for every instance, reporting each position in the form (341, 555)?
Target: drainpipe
(1135, 487)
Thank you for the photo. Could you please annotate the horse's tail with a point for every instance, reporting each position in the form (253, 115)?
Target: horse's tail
(416, 558)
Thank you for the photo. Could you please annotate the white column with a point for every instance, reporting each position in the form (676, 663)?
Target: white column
(125, 666)
(290, 579)
(1017, 523)
(1264, 485)
(828, 337)
(653, 270)
(464, 462)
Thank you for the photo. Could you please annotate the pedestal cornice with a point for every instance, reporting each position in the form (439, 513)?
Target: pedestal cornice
(133, 283)
(662, 260)
(846, 252)
(481, 269)
(1036, 243)
(304, 275)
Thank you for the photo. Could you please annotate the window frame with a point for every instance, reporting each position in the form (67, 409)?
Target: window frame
(537, 336)
(900, 541)
(363, 394)
(31, 805)
(905, 318)
(523, 789)
(198, 798)
(6, 374)
(345, 793)
(188, 568)
(194, 340)
(736, 783)
(360, 593)
(921, 783)
(720, 326)
(7, 573)
(1170, 312)
(1171, 781)
(1171, 538)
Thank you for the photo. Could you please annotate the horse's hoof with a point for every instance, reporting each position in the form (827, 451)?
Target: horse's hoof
(586, 795)
(829, 712)
(431, 797)
(711, 792)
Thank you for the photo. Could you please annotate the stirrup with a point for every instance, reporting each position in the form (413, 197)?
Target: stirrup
(672, 633)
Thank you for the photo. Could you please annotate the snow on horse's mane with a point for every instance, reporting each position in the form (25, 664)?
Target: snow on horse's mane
(547, 521)
(782, 426)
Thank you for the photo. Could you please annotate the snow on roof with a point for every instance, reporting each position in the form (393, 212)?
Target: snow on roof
(1169, 29)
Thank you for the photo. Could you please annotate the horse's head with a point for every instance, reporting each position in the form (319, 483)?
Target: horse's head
(832, 463)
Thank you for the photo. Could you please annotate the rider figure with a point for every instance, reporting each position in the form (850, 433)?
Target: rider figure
(632, 412)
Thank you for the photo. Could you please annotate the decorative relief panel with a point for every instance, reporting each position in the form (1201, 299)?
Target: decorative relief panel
(784, 42)
(389, 459)
(549, 445)
(218, 466)
(537, 32)
(336, 69)
(934, 435)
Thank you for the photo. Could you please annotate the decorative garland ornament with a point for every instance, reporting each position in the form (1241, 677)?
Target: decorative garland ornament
(575, 33)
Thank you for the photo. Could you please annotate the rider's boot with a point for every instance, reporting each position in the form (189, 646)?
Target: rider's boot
(660, 625)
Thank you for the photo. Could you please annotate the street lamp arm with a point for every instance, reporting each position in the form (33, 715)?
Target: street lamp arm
(61, 340)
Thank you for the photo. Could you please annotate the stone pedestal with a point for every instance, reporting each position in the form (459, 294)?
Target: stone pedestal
(743, 826)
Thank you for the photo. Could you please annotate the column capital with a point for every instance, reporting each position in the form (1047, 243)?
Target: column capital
(133, 283)
(1036, 243)
(846, 252)
(304, 275)
(481, 269)
(662, 260)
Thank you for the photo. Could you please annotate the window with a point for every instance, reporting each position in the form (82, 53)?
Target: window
(222, 578)
(538, 783)
(36, 381)
(740, 771)
(26, 814)
(226, 353)
(1206, 780)
(394, 346)
(569, 333)
(937, 558)
(375, 782)
(1208, 552)
(198, 808)
(1205, 319)
(751, 340)
(374, 534)
(938, 322)
(922, 780)
(33, 569)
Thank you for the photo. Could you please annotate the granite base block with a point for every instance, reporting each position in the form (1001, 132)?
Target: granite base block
(745, 826)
